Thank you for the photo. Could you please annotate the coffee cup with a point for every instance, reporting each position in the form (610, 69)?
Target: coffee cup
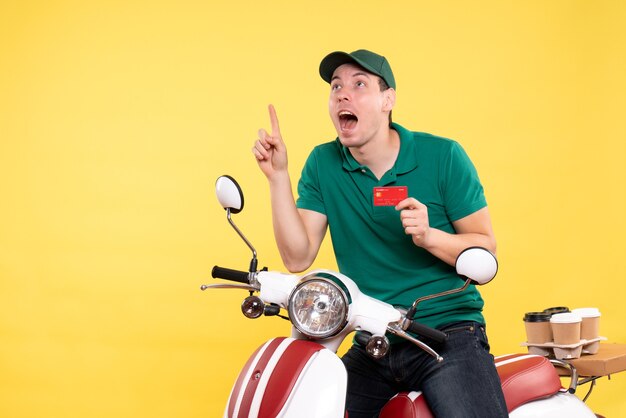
(590, 326)
(566, 328)
(538, 330)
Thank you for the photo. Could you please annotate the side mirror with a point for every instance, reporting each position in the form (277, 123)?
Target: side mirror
(230, 197)
(477, 264)
(229, 194)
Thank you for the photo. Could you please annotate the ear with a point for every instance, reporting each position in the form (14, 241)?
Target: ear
(389, 99)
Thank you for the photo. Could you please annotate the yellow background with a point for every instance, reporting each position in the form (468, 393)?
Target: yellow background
(116, 118)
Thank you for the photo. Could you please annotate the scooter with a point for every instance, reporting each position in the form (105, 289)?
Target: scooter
(302, 376)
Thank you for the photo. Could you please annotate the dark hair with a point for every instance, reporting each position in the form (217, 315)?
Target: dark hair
(384, 86)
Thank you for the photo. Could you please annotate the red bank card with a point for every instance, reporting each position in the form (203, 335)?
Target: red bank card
(390, 196)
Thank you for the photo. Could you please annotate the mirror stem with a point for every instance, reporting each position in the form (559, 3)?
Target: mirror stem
(411, 312)
(253, 262)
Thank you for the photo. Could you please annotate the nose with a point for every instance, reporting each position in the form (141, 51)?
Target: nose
(342, 95)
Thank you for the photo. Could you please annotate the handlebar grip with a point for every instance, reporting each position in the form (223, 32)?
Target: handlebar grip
(229, 274)
(362, 337)
(424, 331)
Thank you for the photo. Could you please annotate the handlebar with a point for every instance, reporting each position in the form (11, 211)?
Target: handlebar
(229, 274)
(423, 330)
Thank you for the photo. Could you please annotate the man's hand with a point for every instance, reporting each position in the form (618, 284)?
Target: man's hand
(270, 150)
(414, 217)
(474, 230)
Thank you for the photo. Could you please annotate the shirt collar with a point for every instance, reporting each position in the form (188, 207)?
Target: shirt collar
(407, 157)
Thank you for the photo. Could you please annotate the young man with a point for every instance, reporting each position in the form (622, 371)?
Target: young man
(396, 254)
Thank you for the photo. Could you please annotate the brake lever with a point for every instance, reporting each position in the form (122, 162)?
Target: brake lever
(229, 286)
(395, 329)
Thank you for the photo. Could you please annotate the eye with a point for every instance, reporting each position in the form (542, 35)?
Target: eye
(360, 84)
(335, 87)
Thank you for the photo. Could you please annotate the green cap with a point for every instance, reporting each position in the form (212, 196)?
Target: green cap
(370, 61)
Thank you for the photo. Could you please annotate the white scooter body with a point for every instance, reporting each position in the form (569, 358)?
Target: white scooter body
(563, 404)
(289, 378)
(294, 377)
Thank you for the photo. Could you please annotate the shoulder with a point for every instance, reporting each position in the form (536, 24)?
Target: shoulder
(428, 140)
(425, 140)
(331, 147)
(433, 148)
(325, 153)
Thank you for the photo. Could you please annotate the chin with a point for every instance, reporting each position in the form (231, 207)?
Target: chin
(349, 140)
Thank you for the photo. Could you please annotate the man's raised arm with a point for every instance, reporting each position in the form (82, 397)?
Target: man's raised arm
(298, 232)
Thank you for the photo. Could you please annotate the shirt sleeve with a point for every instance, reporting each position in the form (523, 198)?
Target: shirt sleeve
(309, 192)
(463, 193)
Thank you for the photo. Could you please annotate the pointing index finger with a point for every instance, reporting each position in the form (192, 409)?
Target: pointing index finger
(274, 121)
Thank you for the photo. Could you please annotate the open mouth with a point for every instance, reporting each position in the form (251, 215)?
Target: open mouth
(347, 120)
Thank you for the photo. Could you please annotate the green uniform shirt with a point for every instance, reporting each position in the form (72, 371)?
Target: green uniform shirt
(369, 242)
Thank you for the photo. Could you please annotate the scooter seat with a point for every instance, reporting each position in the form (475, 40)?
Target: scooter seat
(524, 378)
(406, 405)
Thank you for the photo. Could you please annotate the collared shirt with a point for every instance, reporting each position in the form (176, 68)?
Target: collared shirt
(369, 241)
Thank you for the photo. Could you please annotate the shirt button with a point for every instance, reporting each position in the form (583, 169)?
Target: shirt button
(363, 171)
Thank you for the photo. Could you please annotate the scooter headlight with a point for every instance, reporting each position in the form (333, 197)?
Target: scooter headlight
(318, 308)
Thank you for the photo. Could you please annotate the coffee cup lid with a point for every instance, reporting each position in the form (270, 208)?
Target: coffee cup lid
(536, 317)
(565, 318)
(587, 312)
(556, 309)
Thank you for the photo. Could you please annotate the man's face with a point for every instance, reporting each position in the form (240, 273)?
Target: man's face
(357, 107)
